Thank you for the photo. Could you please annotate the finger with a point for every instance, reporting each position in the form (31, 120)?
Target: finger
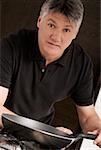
(68, 131)
(93, 132)
(99, 145)
(97, 141)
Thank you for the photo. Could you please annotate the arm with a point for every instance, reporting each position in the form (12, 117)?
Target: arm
(89, 121)
(3, 96)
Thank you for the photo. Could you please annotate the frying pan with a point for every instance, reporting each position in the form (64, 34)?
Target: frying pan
(31, 130)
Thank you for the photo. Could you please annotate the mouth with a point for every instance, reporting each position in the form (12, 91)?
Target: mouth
(53, 44)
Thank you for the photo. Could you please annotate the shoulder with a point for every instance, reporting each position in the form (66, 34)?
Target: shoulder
(18, 41)
(80, 55)
(80, 62)
(19, 37)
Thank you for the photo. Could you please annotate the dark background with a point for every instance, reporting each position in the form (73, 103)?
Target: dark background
(17, 14)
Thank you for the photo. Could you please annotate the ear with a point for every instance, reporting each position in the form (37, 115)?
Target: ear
(39, 21)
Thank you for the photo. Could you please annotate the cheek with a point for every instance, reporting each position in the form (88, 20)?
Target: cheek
(41, 33)
(67, 43)
(45, 35)
(67, 40)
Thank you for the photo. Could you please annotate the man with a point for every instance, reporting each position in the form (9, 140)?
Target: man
(39, 68)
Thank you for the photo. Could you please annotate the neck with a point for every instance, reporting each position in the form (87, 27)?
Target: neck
(48, 62)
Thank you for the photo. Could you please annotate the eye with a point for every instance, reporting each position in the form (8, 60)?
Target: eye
(51, 25)
(67, 30)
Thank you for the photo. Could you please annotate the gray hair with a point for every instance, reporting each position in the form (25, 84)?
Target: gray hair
(72, 9)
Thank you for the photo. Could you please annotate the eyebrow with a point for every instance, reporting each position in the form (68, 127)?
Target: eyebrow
(55, 23)
(52, 20)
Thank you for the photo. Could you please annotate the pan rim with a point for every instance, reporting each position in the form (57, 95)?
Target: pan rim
(6, 116)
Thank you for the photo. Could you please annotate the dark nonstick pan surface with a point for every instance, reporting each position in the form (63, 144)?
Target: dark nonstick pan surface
(31, 130)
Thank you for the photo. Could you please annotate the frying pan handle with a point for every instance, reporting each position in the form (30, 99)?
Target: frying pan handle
(89, 136)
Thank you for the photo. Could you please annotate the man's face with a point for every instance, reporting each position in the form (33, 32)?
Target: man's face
(55, 33)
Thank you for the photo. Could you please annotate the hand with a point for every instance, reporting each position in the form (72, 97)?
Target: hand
(68, 131)
(97, 141)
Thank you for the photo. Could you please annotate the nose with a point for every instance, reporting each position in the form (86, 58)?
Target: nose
(56, 36)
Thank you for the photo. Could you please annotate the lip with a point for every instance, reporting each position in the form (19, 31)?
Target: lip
(53, 44)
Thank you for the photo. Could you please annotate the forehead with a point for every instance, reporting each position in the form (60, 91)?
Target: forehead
(59, 18)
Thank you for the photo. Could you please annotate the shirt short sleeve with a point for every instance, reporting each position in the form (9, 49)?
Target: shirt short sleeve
(6, 62)
(83, 91)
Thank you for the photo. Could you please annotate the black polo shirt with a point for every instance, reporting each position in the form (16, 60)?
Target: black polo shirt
(33, 88)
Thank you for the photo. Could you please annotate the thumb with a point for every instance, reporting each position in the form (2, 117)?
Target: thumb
(94, 132)
(68, 131)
